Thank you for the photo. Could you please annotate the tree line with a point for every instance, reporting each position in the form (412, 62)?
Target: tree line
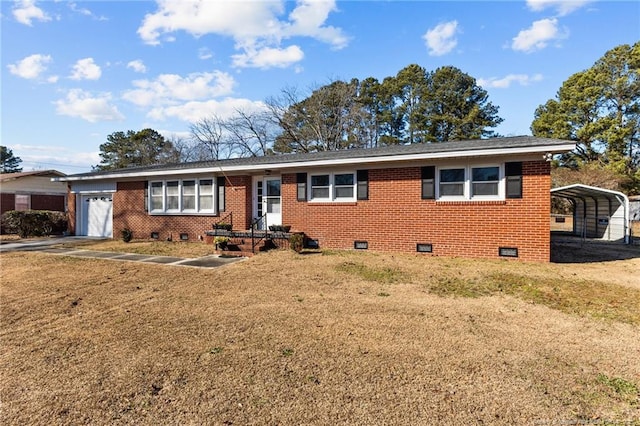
(598, 108)
(414, 106)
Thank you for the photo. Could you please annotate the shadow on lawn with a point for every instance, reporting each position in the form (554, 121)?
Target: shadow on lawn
(566, 249)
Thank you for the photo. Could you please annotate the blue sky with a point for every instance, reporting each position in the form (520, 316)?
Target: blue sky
(75, 72)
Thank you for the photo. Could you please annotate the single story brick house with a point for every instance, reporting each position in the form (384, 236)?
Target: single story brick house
(475, 198)
(32, 191)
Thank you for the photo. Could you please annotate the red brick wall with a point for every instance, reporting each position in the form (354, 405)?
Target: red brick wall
(395, 217)
(47, 202)
(129, 212)
(239, 201)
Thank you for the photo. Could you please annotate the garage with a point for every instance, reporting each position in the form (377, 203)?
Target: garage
(598, 213)
(96, 217)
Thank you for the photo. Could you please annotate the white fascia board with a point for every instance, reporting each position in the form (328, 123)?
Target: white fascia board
(333, 162)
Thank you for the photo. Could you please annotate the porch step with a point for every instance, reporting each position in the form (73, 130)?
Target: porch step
(240, 242)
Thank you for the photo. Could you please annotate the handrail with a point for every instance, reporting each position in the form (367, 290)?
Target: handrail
(254, 225)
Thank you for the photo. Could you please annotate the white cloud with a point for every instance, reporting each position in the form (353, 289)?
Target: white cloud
(79, 103)
(204, 53)
(442, 38)
(268, 57)
(194, 111)
(40, 157)
(537, 36)
(254, 26)
(86, 69)
(137, 66)
(506, 81)
(562, 7)
(172, 88)
(26, 11)
(30, 67)
(308, 19)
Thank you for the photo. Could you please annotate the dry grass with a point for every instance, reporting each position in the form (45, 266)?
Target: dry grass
(339, 338)
(152, 247)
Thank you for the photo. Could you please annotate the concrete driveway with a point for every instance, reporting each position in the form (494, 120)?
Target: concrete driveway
(46, 245)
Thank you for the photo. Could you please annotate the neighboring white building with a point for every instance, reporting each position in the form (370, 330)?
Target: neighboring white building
(32, 191)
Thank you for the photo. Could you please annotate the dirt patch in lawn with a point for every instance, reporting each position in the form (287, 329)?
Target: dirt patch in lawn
(333, 338)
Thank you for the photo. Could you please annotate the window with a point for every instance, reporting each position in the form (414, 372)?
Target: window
(173, 196)
(189, 195)
(337, 187)
(452, 182)
(273, 196)
(181, 196)
(343, 185)
(157, 196)
(205, 195)
(320, 187)
(484, 181)
(467, 182)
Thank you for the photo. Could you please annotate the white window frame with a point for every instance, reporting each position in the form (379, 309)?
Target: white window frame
(464, 183)
(497, 182)
(332, 187)
(180, 210)
(468, 182)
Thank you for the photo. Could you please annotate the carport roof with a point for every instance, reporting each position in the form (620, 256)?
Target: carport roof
(581, 191)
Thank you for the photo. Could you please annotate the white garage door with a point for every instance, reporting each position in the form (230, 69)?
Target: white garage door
(97, 215)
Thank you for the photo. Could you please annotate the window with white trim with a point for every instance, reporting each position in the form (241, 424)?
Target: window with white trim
(484, 181)
(470, 182)
(181, 196)
(343, 185)
(452, 182)
(320, 188)
(332, 187)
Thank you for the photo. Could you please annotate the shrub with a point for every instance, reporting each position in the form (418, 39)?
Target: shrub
(296, 241)
(34, 223)
(127, 235)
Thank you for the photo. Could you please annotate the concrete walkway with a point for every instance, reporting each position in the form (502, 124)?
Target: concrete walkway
(46, 245)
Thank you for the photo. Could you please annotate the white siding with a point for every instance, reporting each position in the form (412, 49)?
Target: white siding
(34, 185)
(92, 187)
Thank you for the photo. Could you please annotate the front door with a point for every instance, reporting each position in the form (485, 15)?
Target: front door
(267, 200)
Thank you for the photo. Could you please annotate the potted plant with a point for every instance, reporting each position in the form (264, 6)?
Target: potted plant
(127, 235)
(279, 228)
(222, 225)
(221, 242)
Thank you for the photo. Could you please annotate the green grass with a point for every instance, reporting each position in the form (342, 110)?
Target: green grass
(581, 297)
(624, 390)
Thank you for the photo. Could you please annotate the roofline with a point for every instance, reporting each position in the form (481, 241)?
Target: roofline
(592, 188)
(330, 162)
(18, 175)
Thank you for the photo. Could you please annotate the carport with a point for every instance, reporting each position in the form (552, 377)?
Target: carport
(597, 212)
